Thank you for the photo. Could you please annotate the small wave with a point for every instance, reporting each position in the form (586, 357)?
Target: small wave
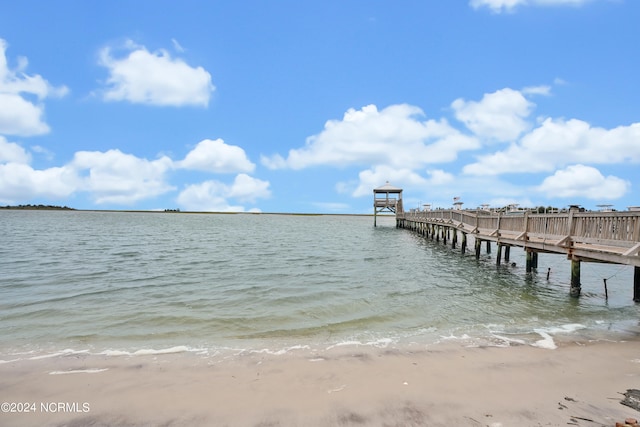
(150, 351)
(278, 352)
(380, 343)
(563, 329)
(79, 371)
(66, 352)
(455, 338)
(546, 341)
(508, 341)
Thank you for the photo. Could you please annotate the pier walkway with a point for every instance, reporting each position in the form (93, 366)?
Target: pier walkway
(609, 237)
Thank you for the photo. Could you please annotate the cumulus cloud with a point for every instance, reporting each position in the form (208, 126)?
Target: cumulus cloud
(374, 177)
(116, 177)
(10, 152)
(205, 197)
(500, 115)
(108, 177)
(369, 179)
(20, 181)
(213, 195)
(395, 136)
(557, 143)
(583, 181)
(19, 115)
(247, 188)
(498, 6)
(217, 157)
(154, 78)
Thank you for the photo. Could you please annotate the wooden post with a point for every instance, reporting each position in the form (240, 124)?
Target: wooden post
(534, 260)
(445, 233)
(437, 233)
(488, 246)
(478, 246)
(499, 254)
(507, 252)
(636, 284)
(574, 291)
(529, 260)
(464, 243)
(375, 215)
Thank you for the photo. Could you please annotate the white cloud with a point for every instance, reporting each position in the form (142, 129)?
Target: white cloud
(556, 143)
(498, 116)
(496, 5)
(583, 181)
(10, 152)
(177, 46)
(393, 136)
(378, 175)
(206, 197)
(20, 182)
(247, 188)
(406, 179)
(43, 152)
(499, 6)
(439, 177)
(537, 90)
(19, 115)
(115, 177)
(154, 78)
(212, 196)
(217, 157)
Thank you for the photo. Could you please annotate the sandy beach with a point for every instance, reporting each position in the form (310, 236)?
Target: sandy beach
(443, 385)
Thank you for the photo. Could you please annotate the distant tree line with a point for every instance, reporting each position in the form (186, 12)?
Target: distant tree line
(39, 207)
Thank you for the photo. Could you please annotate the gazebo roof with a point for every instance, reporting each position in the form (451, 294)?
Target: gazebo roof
(387, 188)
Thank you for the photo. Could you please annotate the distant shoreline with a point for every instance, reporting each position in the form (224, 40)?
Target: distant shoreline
(65, 208)
(38, 208)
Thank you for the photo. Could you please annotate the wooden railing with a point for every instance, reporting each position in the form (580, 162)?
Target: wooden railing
(617, 232)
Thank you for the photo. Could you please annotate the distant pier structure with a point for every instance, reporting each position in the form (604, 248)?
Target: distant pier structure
(607, 236)
(386, 199)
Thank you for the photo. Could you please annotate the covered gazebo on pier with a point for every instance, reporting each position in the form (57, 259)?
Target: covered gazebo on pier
(386, 199)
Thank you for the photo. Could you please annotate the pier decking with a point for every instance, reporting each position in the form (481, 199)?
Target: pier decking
(609, 237)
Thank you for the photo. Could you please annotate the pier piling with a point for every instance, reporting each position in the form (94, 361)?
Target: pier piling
(636, 284)
(574, 291)
(604, 237)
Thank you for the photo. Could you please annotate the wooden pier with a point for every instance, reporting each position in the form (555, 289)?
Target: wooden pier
(608, 237)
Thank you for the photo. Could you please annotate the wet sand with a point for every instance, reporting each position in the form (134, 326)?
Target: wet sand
(444, 385)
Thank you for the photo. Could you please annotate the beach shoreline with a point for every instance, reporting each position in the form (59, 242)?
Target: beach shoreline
(579, 383)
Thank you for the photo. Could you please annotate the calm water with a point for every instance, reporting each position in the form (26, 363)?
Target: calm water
(110, 282)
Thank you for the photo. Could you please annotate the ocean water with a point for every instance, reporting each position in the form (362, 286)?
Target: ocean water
(117, 283)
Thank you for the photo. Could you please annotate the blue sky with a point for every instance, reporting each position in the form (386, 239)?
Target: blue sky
(306, 106)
